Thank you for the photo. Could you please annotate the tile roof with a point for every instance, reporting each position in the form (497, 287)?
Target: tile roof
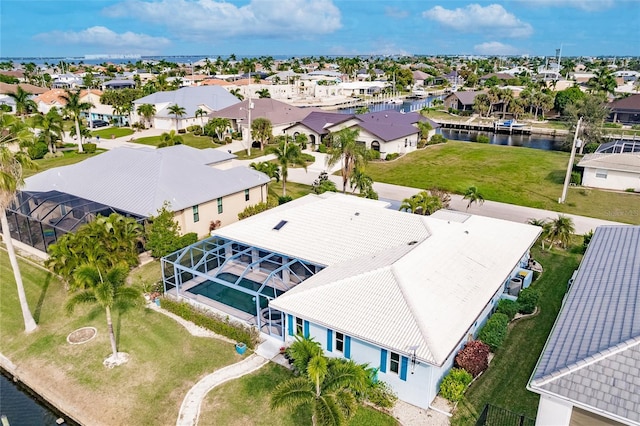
(592, 356)
(388, 270)
(140, 180)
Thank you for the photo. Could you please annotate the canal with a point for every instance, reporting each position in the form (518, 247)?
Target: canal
(23, 408)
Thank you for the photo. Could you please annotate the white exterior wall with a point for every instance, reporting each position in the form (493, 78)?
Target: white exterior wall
(615, 179)
(553, 412)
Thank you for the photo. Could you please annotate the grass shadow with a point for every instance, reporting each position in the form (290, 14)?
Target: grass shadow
(556, 176)
(38, 310)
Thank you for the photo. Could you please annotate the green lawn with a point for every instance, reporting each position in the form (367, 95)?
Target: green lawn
(165, 360)
(295, 190)
(514, 175)
(69, 157)
(504, 383)
(245, 401)
(189, 139)
(255, 153)
(118, 132)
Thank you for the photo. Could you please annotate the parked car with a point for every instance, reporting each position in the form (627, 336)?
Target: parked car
(99, 123)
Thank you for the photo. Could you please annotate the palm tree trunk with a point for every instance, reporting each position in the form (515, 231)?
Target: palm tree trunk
(78, 135)
(112, 336)
(29, 323)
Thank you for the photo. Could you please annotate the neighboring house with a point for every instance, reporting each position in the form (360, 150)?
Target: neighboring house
(200, 185)
(66, 81)
(316, 125)
(280, 114)
(9, 102)
(589, 370)
(421, 77)
(502, 76)
(397, 291)
(462, 101)
(6, 88)
(626, 110)
(50, 99)
(118, 84)
(207, 98)
(619, 171)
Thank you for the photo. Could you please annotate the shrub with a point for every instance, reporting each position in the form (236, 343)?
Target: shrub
(494, 331)
(591, 147)
(193, 128)
(474, 357)
(284, 199)
(436, 139)
(422, 143)
(197, 131)
(483, 139)
(227, 140)
(373, 154)
(187, 240)
(380, 394)
(576, 178)
(214, 322)
(255, 209)
(392, 156)
(322, 148)
(454, 384)
(37, 150)
(56, 154)
(89, 148)
(528, 300)
(308, 157)
(182, 131)
(508, 307)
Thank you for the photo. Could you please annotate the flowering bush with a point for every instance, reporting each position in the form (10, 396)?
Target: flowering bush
(474, 357)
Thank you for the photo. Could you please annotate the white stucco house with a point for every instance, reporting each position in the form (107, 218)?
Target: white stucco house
(619, 171)
(398, 291)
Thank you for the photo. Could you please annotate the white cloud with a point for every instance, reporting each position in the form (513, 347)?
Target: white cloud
(495, 48)
(586, 5)
(474, 18)
(106, 39)
(207, 20)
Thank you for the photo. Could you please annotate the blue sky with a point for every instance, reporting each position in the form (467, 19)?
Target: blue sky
(54, 28)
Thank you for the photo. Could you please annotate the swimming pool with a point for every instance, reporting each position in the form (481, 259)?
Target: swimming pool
(232, 297)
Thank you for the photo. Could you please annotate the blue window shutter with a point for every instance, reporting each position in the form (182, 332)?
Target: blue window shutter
(404, 363)
(329, 340)
(347, 347)
(383, 360)
(290, 321)
(305, 327)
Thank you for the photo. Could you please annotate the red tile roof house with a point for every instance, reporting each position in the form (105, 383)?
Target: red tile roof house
(626, 110)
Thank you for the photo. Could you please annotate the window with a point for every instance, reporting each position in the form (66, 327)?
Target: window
(602, 174)
(196, 214)
(394, 365)
(339, 342)
(299, 325)
(246, 195)
(220, 205)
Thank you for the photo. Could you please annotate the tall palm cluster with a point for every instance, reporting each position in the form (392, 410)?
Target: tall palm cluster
(555, 232)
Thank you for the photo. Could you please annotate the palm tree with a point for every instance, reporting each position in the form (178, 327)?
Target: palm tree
(268, 168)
(345, 148)
(218, 125)
(482, 104)
(11, 164)
(177, 112)
(147, 111)
(263, 93)
(262, 130)
(425, 127)
(108, 291)
(75, 107)
(422, 203)
(50, 125)
(603, 81)
(288, 154)
(559, 231)
(506, 96)
(473, 196)
(199, 114)
(170, 139)
(24, 103)
(237, 94)
(329, 386)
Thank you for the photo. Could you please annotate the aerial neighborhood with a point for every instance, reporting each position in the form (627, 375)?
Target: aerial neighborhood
(326, 240)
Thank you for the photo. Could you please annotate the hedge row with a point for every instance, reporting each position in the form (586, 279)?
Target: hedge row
(214, 322)
(494, 331)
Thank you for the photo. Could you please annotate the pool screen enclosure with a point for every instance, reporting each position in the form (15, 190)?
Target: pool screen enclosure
(236, 275)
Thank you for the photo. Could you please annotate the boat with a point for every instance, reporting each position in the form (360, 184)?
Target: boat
(509, 123)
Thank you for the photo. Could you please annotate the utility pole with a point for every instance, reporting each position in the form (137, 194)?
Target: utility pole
(567, 178)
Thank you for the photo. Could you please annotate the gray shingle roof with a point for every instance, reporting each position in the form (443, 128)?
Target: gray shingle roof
(191, 99)
(318, 120)
(140, 180)
(594, 347)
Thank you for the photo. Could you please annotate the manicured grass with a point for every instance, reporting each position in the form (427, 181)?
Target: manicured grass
(147, 275)
(165, 363)
(189, 139)
(255, 153)
(245, 401)
(69, 157)
(294, 190)
(514, 175)
(504, 383)
(118, 132)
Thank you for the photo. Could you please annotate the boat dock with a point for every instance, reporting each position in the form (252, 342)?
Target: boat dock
(495, 127)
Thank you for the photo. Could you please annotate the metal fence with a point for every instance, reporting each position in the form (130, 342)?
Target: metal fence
(496, 416)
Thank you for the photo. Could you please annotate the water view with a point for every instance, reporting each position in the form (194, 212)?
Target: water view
(547, 143)
(21, 408)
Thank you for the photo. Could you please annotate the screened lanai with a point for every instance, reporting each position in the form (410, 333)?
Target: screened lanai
(39, 219)
(236, 279)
